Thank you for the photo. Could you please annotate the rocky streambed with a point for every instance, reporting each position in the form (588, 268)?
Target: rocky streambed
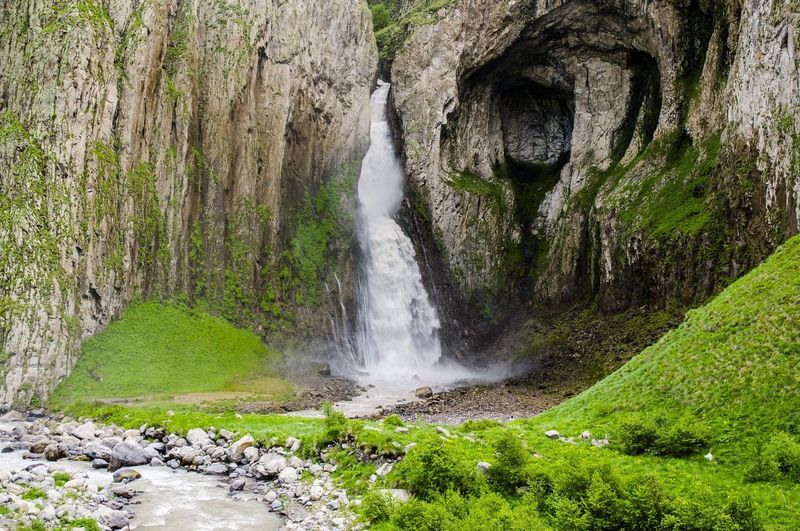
(61, 470)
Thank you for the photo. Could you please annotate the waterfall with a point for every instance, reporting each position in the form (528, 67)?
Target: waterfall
(398, 329)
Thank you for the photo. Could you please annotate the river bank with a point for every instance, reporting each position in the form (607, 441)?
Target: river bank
(56, 471)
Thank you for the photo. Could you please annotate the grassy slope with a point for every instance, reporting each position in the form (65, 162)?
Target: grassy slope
(158, 349)
(734, 363)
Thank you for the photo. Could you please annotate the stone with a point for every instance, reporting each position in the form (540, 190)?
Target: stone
(288, 475)
(216, 469)
(85, 431)
(384, 469)
(443, 431)
(123, 490)
(156, 461)
(12, 416)
(108, 517)
(423, 392)
(316, 492)
(552, 434)
(292, 444)
(271, 465)
(250, 454)
(599, 443)
(96, 450)
(54, 452)
(271, 496)
(127, 454)
(401, 429)
(132, 434)
(99, 464)
(125, 475)
(227, 435)
(237, 484)
(197, 437)
(709, 457)
(483, 467)
(296, 462)
(586, 435)
(236, 451)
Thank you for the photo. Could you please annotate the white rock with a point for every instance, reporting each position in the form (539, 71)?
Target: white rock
(85, 431)
(288, 475)
(442, 431)
(197, 437)
(271, 496)
(586, 435)
(316, 492)
(709, 457)
(552, 434)
(251, 454)
(483, 466)
(236, 451)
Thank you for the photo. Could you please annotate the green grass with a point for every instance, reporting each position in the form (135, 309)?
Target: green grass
(734, 364)
(169, 349)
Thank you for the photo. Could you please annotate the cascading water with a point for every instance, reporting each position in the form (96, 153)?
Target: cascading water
(399, 325)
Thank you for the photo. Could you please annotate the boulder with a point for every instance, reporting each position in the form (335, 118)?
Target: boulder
(99, 464)
(316, 492)
(483, 467)
(96, 450)
(123, 491)
(270, 465)
(442, 431)
(125, 475)
(599, 443)
(552, 434)
(292, 444)
(127, 454)
(225, 434)
(288, 475)
(85, 431)
(54, 452)
(423, 392)
(251, 454)
(108, 517)
(198, 437)
(237, 484)
(586, 435)
(216, 469)
(236, 451)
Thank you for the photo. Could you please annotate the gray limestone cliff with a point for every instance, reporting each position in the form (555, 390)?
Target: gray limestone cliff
(169, 148)
(623, 151)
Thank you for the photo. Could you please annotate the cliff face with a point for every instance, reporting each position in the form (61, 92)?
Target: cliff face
(169, 148)
(627, 152)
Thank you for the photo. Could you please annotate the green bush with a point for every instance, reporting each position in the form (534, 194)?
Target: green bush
(686, 436)
(380, 17)
(778, 459)
(34, 494)
(638, 436)
(680, 437)
(394, 421)
(336, 424)
(417, 515)
(377, 507)
(61, 478)
(433, 470)
(509, 472)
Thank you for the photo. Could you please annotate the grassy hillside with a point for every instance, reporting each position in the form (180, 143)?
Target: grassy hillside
(734, 365)
(160, 351)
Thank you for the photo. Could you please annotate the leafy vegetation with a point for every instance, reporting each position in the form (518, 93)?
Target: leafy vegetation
(466, 181)
(141, 354)
(394, 22)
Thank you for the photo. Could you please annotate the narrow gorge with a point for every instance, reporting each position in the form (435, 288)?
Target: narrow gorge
(402, 264)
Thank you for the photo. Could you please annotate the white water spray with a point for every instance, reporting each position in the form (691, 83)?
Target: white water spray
(399, 325)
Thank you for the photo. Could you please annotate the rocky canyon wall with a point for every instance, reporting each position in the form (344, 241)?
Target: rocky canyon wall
(171, 148)
(623, 151)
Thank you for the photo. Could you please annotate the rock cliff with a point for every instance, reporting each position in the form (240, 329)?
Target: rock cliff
(620, 151)
(171, 148)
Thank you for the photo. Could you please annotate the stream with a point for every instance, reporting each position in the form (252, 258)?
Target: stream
(169, 499)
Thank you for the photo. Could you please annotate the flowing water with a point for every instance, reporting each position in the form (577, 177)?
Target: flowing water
(399, 332)
(169, 499)
(397, 347)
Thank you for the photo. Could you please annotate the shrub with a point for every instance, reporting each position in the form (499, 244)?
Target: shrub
(380, 17)
(638, 436)
(784, 451)
(488, 513)
(394, 421)
(336, 424)
(377, 507)
(508, 474)
(684, 437)
(433, 469)
(418, 515)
